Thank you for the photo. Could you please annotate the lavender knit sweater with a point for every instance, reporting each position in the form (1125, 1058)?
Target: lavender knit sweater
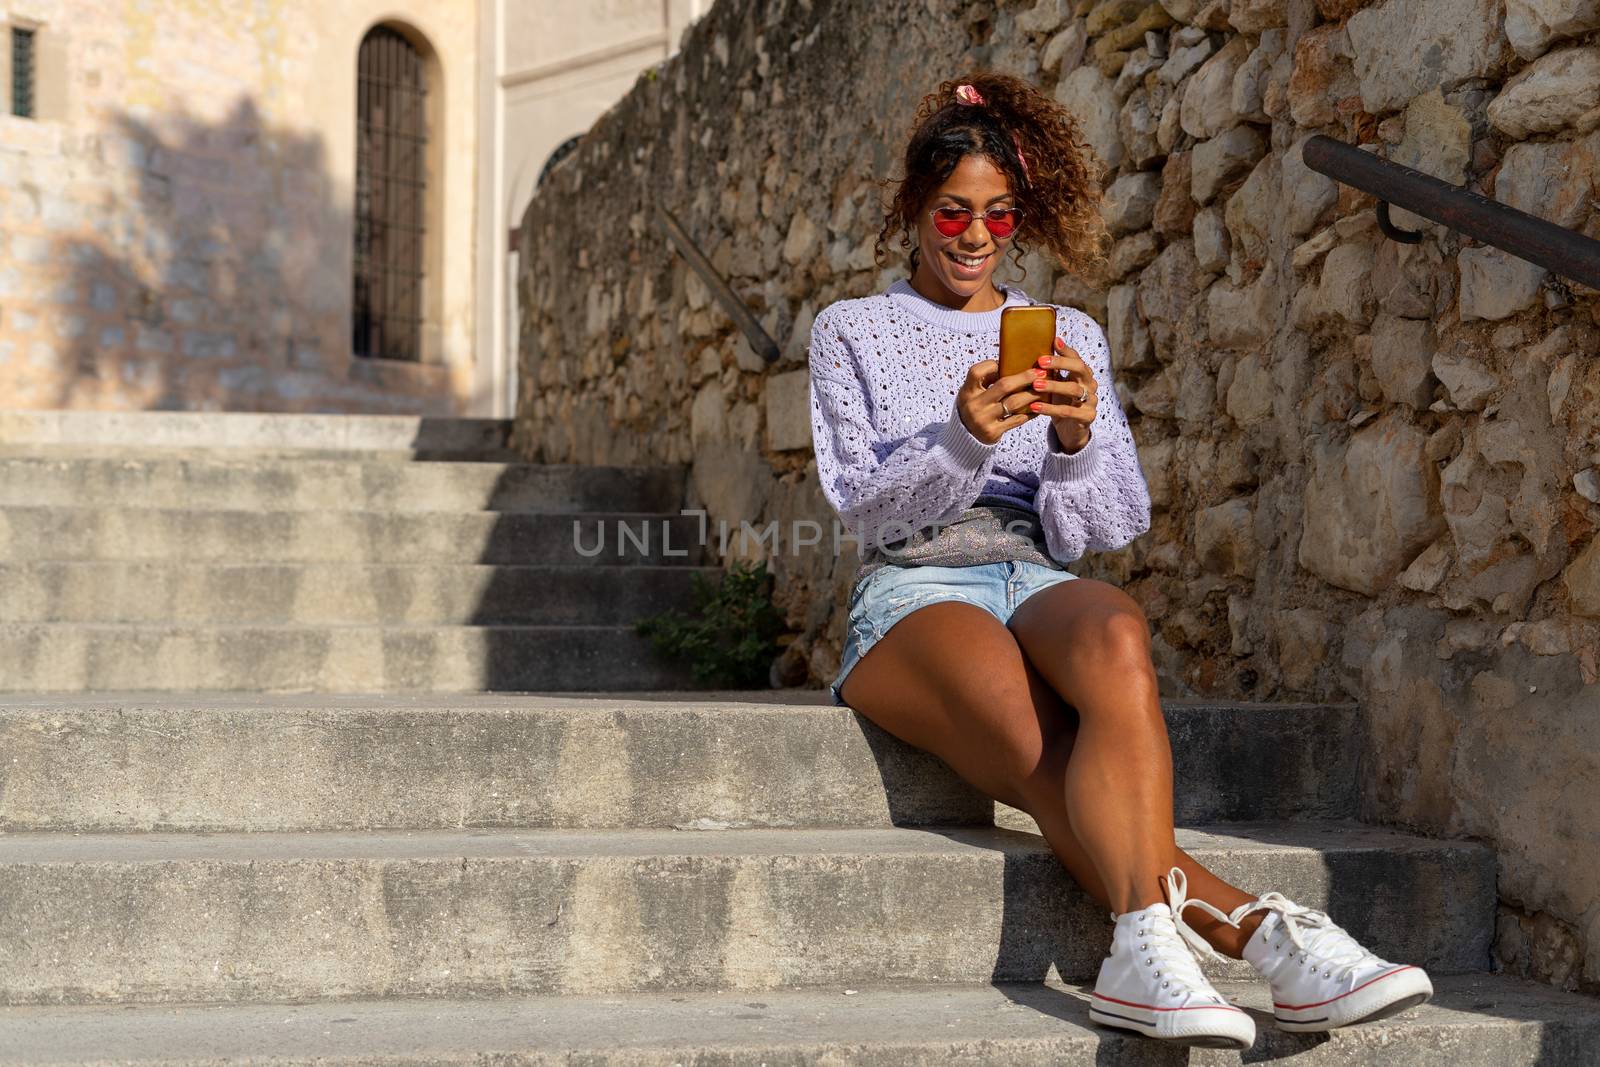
(893, 454)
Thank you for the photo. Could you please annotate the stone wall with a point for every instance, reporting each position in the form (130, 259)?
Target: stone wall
(175, 225)
(1375, 466)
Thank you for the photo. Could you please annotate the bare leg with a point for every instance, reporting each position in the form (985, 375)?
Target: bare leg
(950, 679)
(1091, 642)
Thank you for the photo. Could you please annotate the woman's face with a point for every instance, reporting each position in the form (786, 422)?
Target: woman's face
(978, 185)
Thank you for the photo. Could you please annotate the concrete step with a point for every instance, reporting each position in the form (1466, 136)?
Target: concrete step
(688, 760)
(392, 457)
(311, 594)
(206, 482)
(79, 657)
(246, 917)
(291, 434)
(29, 534)
(1472, 1021)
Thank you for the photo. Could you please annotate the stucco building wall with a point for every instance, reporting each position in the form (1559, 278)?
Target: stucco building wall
(177, 224)
(1375, 467)
(547, 72)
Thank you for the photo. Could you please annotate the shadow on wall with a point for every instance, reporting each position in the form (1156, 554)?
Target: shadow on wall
(217, 277)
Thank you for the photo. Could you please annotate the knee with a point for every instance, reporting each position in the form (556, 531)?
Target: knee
(1109, 661)
(1116, 638)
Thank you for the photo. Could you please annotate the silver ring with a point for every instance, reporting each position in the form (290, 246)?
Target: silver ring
(1004, 408)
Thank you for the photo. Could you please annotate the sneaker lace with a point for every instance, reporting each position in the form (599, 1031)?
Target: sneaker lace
(1313, 933)
(1177, 900)
(1170, 940)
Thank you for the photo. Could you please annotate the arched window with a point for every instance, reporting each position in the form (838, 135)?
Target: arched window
(563, 150)
(390, 196)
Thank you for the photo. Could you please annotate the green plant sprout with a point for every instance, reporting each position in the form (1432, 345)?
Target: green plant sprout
(729, 640)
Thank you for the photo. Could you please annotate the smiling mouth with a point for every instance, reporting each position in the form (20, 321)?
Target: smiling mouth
(976, 263)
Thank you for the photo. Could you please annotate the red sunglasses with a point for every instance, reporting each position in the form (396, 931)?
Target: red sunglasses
(953, 221)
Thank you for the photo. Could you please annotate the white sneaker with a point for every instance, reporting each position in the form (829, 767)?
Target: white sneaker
(1151, 984)
(1321, 976)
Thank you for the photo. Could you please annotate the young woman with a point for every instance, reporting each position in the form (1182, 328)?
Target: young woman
(968, 493)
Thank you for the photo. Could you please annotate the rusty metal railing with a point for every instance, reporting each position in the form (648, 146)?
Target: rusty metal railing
(761, 342)
(1556, 248)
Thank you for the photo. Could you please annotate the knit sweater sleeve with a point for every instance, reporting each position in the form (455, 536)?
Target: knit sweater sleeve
(884, 489)
(1095, 498)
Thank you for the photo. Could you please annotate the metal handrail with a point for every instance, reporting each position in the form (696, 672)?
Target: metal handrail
(1556, 248)
(760, 341)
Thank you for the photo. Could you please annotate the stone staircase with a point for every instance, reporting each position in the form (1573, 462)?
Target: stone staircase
(326, 553)
(650, 877)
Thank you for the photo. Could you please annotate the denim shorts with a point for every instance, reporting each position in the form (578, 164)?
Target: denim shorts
(890, 593)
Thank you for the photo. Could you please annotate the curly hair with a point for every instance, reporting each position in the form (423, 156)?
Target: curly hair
(1060, 196)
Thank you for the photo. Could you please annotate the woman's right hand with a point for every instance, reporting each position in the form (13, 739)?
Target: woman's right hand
(984, 398)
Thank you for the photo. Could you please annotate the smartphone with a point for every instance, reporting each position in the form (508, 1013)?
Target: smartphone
(1026, 333)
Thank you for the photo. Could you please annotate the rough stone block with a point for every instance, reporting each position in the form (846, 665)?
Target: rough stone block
(1322, 75)
(1532, 25)
(788, 410)
(1210, 240)
(1402, 354)
(1138, 125)
(1133, 253)
(1582, 579)
(1437, 142)
(1130, 202)
(1557, 91)
(1224, 538)
(1253, 210)
(1166, 290)
(1306, 193)
(1091, 97)
(1244, 318)
(1495, 284)
(1344, 291)
(1461, 38)
(1175, 209)
(1250, 395)
(1126, 334)
(1184, 59)
(1223, 158)
(1370, 508)
(1207, 107)
(1556, 182)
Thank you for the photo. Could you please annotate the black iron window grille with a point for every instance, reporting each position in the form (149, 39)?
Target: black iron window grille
(391, 147)
(22, 72)
(563, 150)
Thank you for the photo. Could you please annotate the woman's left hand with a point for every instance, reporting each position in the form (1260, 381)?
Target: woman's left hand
(1070, 402)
